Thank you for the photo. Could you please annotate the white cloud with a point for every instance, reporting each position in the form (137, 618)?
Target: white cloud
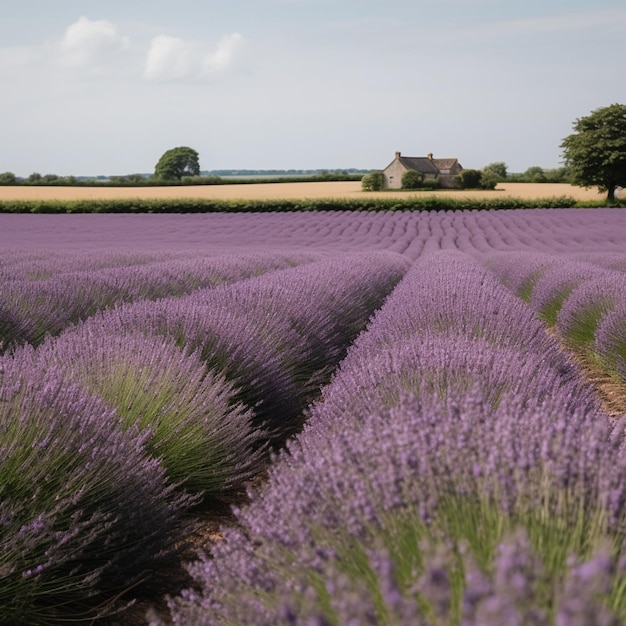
(224, 56)
(169, 58)
(91, 43)
(96, 47)
(173, 58)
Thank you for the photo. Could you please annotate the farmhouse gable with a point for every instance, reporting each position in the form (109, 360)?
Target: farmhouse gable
(442, 169)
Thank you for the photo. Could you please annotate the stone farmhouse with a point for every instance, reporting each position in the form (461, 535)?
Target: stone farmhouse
(442, 169)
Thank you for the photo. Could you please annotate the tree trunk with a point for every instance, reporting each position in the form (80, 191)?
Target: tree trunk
(610, 196)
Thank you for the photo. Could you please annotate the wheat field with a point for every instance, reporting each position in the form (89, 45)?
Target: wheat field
(269, 191)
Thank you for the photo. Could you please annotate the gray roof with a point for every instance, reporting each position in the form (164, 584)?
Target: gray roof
(421, 164)
(445, 164)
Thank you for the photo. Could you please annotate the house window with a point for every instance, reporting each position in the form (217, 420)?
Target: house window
(391, 179)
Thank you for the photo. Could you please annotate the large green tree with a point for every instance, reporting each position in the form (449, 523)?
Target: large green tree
(176, 163)
(596, 153)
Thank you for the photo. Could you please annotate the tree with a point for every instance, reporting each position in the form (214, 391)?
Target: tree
(535, 174)
(412, 179)
(373, 181)
(8, 178)
(469, 179)
(176, 163)
(596, 153)
(496, 170)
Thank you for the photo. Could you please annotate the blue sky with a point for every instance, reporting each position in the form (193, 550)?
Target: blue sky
(92, 87)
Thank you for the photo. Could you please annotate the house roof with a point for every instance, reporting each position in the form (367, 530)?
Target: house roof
(427, 164)
(421, 164)
(445, 164)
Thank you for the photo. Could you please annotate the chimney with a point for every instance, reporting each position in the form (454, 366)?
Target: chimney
(430, 156)
(397, 155)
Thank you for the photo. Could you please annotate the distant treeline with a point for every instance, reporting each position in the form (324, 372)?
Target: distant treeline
(533, 174)
(213, 177)
(537, 174)
(206, 205)
(290, 173)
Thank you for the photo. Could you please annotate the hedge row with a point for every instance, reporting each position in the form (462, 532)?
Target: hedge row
(211, 179)
(205, 205)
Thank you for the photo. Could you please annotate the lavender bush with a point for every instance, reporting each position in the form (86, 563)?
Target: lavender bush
(204, 439)
(85, 514)
(556, 286)
(582, 311)
(520, 271)
(610, 341)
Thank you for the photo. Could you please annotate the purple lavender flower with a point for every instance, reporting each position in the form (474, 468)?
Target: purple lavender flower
(205, 440)
(610, 340)
(85, 512)
(581, 313)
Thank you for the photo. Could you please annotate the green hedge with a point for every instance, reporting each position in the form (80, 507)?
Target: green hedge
(202, 205)
(133, 181)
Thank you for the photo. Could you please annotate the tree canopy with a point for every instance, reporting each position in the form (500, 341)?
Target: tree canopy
(176, 163)
(497, 170)
(412, 179)
(596, 153)
(373, 181)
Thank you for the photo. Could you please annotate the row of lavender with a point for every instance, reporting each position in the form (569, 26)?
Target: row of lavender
(117, 427)
(457, 470)
(582, 297)
(42, 294)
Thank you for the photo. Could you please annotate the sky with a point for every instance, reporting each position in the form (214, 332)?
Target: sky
(93, 87)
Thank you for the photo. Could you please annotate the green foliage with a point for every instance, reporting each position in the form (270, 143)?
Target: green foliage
(558, 175)
(372, 181)
(469, 179)
(488, 180)
(202, 180)
(412, 179)
(535, 174)
(132, 179)
(208, 205)
(596, 152)
(176, 163)
(7, 178)
(431, 183)
(496, 170)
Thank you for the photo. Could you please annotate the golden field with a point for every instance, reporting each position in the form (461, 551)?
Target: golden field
(268, 191)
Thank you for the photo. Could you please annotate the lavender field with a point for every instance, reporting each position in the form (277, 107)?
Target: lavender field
(415, 417)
